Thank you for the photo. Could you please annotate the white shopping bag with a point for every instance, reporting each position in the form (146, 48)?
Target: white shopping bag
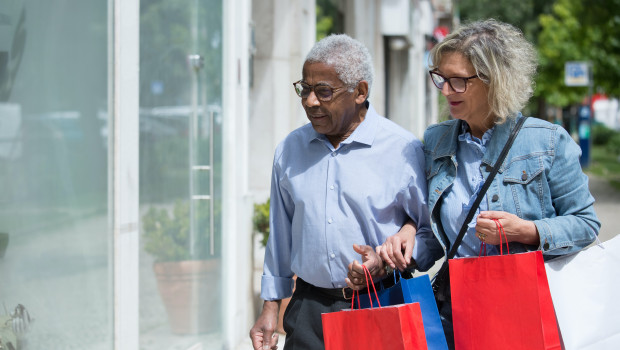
(585, 289)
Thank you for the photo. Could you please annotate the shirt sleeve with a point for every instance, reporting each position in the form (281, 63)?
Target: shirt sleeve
(277, 282)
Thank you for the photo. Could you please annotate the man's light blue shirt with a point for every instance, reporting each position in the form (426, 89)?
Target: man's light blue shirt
(324, 200)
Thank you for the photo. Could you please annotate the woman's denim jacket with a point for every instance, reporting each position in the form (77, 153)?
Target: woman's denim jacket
(540, 180)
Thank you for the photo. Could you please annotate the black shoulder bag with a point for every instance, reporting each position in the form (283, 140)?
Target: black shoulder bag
(441, 283)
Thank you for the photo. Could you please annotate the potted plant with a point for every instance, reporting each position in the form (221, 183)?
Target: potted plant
(187, 279)
(260, 222)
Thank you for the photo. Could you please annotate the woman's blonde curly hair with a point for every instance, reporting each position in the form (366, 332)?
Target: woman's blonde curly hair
(502, 58)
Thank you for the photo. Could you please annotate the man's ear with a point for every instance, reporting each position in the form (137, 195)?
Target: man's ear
(362, 92)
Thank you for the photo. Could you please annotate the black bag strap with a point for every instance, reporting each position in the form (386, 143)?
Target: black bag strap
(482, 192)
(441, 275)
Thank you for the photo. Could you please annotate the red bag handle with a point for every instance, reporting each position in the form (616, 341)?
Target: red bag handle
(500, 230)
(355, 292)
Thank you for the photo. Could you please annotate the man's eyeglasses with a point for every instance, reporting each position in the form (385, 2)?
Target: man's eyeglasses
(458, 84)
(323, 92)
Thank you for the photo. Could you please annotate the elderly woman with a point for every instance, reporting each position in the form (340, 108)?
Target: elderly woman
(540, 194)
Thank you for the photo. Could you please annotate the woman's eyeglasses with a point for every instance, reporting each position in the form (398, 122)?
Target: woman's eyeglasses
(323, 92)
(458, 84)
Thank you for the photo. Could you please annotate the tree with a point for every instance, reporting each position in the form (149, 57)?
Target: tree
(579, 31)
(522, 14)
(329, 20)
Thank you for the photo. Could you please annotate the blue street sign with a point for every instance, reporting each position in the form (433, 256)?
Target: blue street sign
(576, 74)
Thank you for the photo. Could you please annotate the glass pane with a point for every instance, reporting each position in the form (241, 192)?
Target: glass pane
(54, 247)
(180, 173)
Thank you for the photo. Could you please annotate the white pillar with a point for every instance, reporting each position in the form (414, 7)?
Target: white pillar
(123, 169)
(236, 208)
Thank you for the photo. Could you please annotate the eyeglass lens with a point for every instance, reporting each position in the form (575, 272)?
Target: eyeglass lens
(457, 84)
(322, 92)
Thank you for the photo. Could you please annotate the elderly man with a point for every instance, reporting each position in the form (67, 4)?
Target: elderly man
(340, 186)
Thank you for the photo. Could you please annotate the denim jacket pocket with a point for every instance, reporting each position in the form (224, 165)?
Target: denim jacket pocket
(523, 183)
(523, 170)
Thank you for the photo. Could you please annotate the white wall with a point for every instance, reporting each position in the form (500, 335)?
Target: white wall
(285, 32)
(237, 206)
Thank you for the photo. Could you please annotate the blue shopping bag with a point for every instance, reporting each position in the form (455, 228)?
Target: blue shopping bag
(414, 290)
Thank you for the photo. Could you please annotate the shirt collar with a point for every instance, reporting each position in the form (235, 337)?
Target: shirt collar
(466, 136)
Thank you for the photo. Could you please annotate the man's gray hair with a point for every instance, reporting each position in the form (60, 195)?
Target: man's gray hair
(350, 59)
(502, 58)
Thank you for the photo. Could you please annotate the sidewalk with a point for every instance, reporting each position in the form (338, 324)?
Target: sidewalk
(606, 205)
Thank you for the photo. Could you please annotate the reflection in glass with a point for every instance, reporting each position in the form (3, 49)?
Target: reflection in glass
(55, 265)
(180, 173)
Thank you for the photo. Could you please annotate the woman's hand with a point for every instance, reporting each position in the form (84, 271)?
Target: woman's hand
(396, 250)
(356, 278)
(516, 229)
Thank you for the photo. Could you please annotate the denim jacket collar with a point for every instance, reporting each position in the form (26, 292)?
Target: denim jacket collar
(448, 147)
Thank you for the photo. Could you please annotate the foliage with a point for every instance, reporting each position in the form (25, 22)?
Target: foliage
(606, 164)
(601, 134)
(260, 220)
(520, 13)
(605, 156)
(328, 19)
(579, 31)
(167, 237)
(613, 146)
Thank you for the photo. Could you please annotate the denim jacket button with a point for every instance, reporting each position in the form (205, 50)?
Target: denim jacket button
(495, 198)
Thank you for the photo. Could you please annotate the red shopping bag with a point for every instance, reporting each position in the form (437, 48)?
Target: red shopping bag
(378, 328)
(502, 302)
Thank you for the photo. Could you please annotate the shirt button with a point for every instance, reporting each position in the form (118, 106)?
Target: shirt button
(330, 220)
(331, 187)
(332, 255)
(524, 176)
(495, 198)
(333, 154)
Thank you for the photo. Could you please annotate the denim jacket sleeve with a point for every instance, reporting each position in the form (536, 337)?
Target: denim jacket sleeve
(543, 182)
(574, 225)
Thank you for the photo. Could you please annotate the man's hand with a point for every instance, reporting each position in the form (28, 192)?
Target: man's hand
(356, 279)
(396, 250)
(263, 333)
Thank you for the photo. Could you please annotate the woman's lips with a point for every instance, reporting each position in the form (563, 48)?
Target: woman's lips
(455, 103)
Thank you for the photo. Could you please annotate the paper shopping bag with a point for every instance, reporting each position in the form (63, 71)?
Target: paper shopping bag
(584, 288)
(377, 328)
(415, 290)
(502, 302)
(380, 328)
